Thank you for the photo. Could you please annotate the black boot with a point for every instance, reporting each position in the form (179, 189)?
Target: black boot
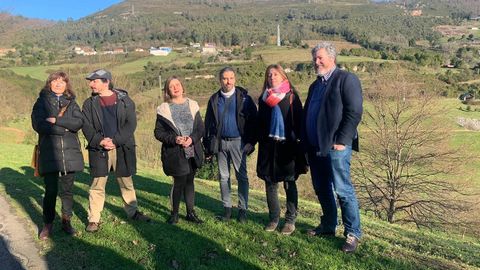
(227, 214)
(67, 226)
(192, 217)
(173, 218)
(242, 216)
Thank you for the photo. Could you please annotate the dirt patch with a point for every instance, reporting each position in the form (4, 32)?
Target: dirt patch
(455, 30)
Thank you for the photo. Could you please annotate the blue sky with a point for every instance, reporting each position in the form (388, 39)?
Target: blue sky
(55, 9)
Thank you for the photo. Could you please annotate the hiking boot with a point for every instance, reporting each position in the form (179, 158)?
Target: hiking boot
(271, 226)
(351, 243)
(46, 231)
(92, 227)
(192, 217)
(141, 216)
(173, 218)
(242, 216)
(319, 231)
(67, 226)
(288, 228)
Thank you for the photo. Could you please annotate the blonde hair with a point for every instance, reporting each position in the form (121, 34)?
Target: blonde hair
(280, 70)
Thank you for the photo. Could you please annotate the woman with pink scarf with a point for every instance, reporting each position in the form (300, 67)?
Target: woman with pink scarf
(280, 157)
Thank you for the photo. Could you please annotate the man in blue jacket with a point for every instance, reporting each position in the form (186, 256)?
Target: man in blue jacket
(333, 111)
(230, 124)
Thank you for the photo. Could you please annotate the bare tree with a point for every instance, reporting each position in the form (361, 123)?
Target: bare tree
(406, 157)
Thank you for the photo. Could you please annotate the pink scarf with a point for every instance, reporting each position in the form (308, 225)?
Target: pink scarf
(273, 96)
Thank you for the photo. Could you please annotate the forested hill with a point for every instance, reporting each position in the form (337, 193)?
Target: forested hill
(11, 26)
(454, 7)
(227, 23)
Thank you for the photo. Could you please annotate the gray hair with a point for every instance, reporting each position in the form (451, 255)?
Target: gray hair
(329, 48)
(223, 70)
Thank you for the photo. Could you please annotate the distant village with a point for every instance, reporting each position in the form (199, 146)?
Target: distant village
(206, 49)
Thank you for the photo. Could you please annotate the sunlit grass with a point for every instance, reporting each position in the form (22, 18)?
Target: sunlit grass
(124, 244)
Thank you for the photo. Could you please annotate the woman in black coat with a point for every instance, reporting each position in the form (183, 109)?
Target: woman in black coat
(280, 158)
(56, 117)
(180, 128)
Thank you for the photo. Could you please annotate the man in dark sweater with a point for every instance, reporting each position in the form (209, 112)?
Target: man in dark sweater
(230, 135)
(109, 124)
(333, 110)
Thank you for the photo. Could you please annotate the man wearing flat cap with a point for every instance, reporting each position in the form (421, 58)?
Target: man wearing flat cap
(109, 125)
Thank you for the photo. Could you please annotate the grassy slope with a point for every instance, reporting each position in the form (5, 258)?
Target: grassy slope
(272, 55)
(36, 72)
(122, 244)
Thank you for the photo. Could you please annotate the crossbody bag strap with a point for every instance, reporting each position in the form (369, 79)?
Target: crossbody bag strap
(62, 110)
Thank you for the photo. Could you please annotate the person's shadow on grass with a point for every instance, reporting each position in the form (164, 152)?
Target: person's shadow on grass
(160, 245)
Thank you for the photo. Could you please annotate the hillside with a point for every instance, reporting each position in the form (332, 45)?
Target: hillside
(458, 8)
(11, 27)
(122, 244)
(147, 23)
(16, 91)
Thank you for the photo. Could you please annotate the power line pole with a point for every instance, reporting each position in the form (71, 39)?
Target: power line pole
(278, 36)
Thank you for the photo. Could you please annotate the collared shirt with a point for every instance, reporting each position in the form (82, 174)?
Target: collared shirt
(229, 93)
(327, 75)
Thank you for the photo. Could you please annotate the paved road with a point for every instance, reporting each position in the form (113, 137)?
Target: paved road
(17, 246)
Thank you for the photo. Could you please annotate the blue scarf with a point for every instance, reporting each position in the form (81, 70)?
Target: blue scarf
(272, 97)
(277, 126)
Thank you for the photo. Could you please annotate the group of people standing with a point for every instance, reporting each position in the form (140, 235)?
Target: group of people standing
(108, 121)
(291, 138)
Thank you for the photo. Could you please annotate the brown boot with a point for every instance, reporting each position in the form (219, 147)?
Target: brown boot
(92, 227)
(46, 231)
(67, 226)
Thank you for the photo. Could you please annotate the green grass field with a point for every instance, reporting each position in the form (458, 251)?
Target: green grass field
(125, 244)
(137, 65)
(36, 72)
(272, 55)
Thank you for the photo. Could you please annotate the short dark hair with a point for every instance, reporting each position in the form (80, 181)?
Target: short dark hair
(110, 83)
(223, 70)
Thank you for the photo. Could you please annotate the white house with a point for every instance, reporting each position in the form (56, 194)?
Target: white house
(160, 51)
(86, 50)
(209, 48)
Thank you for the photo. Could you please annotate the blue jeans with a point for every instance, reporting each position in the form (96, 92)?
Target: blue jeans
(330, 176)
(231, 152)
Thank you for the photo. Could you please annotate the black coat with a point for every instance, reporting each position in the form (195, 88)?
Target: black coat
(246, 120)
(124, 139)
(173, 156)
(280, 160)
(340, 112)
(58, 143)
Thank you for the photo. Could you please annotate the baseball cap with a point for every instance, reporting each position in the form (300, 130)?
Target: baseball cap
(99, 74)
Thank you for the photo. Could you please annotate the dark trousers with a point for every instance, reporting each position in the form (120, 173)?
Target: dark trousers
(271, 189)
(183, 184)
(52, 181)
